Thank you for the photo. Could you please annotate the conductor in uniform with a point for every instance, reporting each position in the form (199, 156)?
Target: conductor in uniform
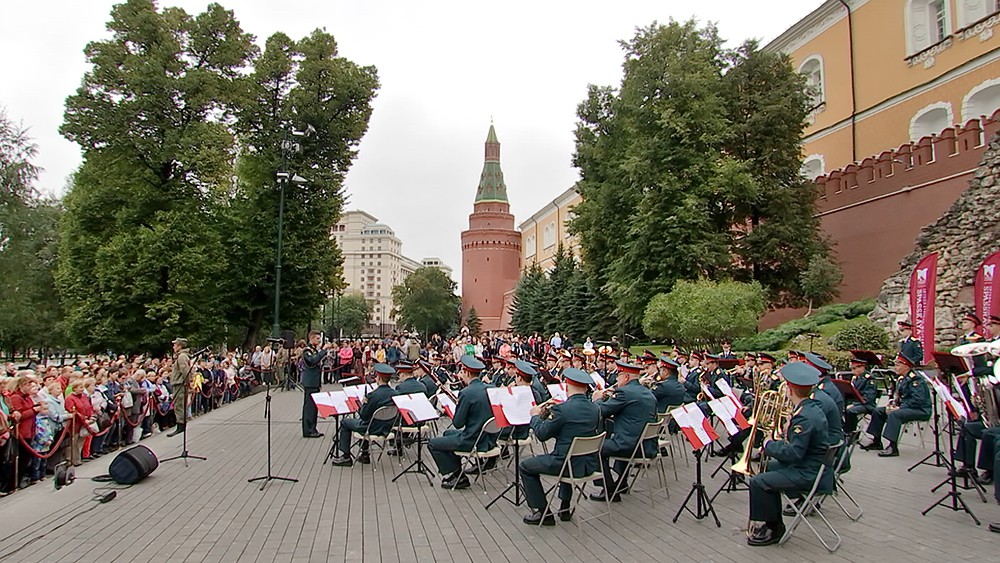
(914, 403)
(630, 406)
(380, 397)
(471, 413)
(312, 359)
(796, 460)
(180, 380)
(578, 416)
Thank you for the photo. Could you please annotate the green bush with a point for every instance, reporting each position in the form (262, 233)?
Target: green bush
(778, 337)
(864, 335)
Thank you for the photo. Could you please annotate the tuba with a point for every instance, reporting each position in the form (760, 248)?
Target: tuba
(771, 412)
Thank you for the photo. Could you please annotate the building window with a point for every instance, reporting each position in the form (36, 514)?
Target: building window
(931, 120)
(812, 69)
(529, 246)
(813, 167)
(549, 235)
(927, 23)
(982, 100)
(971, 11)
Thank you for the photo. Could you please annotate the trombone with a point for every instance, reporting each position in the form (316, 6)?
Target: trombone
(771, 412)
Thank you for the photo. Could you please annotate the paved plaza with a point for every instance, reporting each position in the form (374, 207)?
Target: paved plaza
(206, 511)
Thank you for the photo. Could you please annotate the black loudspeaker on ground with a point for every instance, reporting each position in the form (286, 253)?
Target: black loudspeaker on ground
(133, 465)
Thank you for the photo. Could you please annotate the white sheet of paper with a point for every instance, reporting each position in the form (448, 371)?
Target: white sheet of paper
(335, 401)
(599, 381)
(417, 404)
(558, 392)
(724, 387)
(725, 409)
(516, 402)
(446, 404)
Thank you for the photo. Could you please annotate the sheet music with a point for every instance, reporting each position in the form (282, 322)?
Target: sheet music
(515, 402)
(446, 404)
(723, 386)
(558, 392)
(694, 425)
(729, 413)
(599, 381)
(332, 403)
(415, 408)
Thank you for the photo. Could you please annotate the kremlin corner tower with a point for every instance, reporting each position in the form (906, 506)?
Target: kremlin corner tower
(491, 247)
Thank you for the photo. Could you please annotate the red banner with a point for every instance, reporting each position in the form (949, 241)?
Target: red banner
(987, 296)
(923, 289)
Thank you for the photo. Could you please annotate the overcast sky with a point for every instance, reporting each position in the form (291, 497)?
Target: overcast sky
(446, 68)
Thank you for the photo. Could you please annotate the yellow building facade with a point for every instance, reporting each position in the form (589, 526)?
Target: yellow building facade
(887, 72)
(542, 232)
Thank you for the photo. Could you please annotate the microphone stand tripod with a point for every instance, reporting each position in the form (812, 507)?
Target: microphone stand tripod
(957, 503)
(269, 477)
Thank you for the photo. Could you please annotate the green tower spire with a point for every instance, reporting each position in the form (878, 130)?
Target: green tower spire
(491, 186)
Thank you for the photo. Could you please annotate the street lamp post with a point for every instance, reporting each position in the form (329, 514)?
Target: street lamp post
(283, 179)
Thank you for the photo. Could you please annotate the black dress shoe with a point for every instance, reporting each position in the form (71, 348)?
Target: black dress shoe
(342, 461)
(986, 477)
(394, 452)
(874, 446)
(601, 496)
(365, 458)
(891, 451)
(536, 517)
(177, 430)
(766, 535)
(565, 514)
(960, 472)
(313, 435)
(457, 484)
(995, 527)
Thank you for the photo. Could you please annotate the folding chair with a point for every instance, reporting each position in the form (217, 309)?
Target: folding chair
(490, 427)
(915, 427)
(665, 441)
(509, 443)
(580, 447)
(640, 463)
(810, 504)
(852, 442)
(382, 414)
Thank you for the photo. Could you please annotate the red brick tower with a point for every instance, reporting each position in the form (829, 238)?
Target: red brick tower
(491, 247)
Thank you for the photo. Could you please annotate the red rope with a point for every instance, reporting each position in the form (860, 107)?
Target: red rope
(138, 419)
(52, 450)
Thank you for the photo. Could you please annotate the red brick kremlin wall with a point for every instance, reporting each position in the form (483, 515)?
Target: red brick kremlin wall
(873, 210)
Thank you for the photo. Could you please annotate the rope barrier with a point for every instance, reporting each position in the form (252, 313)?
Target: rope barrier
(52, 450)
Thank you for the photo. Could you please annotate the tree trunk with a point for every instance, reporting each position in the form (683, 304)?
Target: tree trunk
(809, 310)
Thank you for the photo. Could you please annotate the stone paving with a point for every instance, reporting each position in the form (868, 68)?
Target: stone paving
(206, 511)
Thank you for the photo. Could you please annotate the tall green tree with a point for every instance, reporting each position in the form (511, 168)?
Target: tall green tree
(171, 220)
(296, 86)
(650, 152)
(771, 204)
(473, 321)
(527, 310)
(820, 281)
(351, 313)
(30, 315)
(690, 168)
(426, 302)
(142, 257)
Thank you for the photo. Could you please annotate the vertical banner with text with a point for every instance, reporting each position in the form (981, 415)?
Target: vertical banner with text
(987, 297)
(923, 289)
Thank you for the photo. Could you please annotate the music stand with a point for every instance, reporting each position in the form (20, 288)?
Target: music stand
(957, 503)
(703, 504)
(516, 483)
(872, 358)
(848, 391)
(269, 477)
(938, 457)
(415, 409)
(185, 455)
(727, 364)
